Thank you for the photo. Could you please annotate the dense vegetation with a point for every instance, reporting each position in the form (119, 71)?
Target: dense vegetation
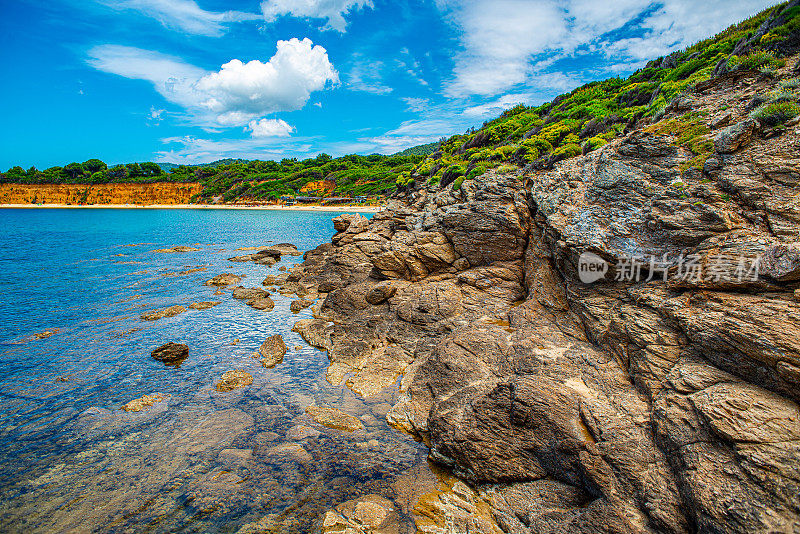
(241, 179)
(570, 125)
(590, 116)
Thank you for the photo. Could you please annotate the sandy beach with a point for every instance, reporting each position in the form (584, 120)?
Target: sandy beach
(344, 207)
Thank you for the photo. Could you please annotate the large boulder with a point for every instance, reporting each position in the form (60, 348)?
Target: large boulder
(272, 351)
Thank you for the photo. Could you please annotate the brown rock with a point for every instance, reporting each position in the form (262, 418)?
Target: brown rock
(203, 305)
(333, 418)
(298, 305)
(261, 303)
(249, 293)
(234, 379)
(171, 353)
(225, 279)
(180, 248)
(272, 351)
(143, 403)
(172, 311)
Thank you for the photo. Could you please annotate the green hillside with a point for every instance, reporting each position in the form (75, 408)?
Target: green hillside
(570, 125)
(592, 115)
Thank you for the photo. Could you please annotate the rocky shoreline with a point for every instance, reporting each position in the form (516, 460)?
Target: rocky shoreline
(664, 403)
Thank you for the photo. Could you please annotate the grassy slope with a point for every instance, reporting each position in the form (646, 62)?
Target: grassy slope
(592, 115)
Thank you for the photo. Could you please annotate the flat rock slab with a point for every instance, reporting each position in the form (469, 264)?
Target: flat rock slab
(171, 353)
(249, 293)
(172, 311)
(233, 379)
(333, 418)
(204, 305)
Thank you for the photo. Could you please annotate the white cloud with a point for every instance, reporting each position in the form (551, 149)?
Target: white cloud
(284, 83)
(416, 104)
(408, 134)
(496, 107)
(269, 128)
(331, 10)
(185, 15)
(502, 41)
(235, 95)
(190, 150)
(366, 76)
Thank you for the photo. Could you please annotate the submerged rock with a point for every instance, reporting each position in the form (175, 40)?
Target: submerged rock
(171, 353)
(333, 418)
(172, 311)
(45, 334)
(272, 351)
(204, 305)
(225, 279)
(370, 514)
(289, 451)
(233, 379)
(179, 248)
(143, 403)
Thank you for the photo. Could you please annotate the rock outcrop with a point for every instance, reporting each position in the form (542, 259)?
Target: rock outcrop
(660, 398)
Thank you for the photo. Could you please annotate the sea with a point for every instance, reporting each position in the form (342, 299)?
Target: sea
(74, 350)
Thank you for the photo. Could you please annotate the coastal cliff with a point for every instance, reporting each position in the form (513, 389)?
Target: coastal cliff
(160, 193)
(654, 399)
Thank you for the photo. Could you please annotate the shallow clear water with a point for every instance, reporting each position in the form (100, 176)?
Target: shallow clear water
(88, 275)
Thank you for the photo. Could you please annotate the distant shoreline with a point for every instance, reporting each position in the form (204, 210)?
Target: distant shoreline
(343, 207)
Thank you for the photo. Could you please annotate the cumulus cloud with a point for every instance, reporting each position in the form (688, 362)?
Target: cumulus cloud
(504, 43)
(269, 128)
(185, 15)
(236, 94)
(284, 83)
(331, 10)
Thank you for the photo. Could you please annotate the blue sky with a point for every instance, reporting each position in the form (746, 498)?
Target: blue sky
(192, 81)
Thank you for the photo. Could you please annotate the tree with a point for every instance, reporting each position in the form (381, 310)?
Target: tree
(134, 170)
(151, 169)
(15, 174)
(74, 170)
(118, 173)
(94, 165)
(100, 177)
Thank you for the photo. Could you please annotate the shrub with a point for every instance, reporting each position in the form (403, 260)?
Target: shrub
(458, 183)
(476, 171)
(790, 84)
(567, 151)
(755, 60)
(776, 113)
(505, 169)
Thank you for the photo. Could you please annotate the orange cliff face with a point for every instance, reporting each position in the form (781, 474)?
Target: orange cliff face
(320, 187)
(76, 194)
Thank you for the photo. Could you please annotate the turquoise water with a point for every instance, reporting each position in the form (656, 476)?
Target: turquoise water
(73, 461)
